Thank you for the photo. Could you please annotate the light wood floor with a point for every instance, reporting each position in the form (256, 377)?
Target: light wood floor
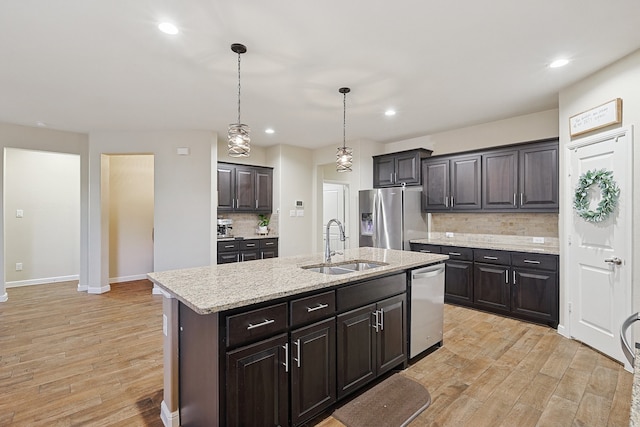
(68, 358)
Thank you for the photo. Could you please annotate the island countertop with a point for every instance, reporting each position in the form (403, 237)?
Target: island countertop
(222, 287)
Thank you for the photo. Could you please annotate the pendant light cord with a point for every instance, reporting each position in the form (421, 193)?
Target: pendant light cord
(344, 119)
(239, 88)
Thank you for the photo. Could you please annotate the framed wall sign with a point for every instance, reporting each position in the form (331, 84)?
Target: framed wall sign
(598, 117)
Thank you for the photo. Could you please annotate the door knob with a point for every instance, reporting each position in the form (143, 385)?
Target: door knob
(613, 260)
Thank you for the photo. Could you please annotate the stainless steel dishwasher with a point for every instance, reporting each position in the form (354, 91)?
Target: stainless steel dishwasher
(427, 308)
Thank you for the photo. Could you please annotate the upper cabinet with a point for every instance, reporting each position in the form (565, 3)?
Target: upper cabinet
(520, 177)
(395, 169)
(244, 188)
(523, 178)
(451, 183)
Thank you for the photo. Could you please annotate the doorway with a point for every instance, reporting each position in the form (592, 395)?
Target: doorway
(129, 192)
(599, 287)
(335, 204)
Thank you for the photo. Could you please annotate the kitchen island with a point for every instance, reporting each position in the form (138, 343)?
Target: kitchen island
(273, 342)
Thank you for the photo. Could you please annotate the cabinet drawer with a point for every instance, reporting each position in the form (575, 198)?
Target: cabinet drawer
(491, 257)
(425, 248)
(372, 290)
(256, 324)
(228, 257)
(529, 260)
(315, 307)
(268, 243)
(459, 253)
(249, 244)
(228, 246)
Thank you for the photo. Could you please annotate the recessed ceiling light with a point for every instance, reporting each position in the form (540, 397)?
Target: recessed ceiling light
(390, 113)
(559, 63)
(168, 28)
(269, 131)
(41, 124)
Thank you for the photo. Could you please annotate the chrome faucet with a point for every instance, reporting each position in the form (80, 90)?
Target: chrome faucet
(327, 246)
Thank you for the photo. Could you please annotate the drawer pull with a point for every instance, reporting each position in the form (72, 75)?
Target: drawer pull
(297, 343)
(257, 325)
(318, 307)
(528, 261)
(454, 253)
(228, 246)
(506, 277)
(268, 243)
(250, 245)
(286, 357)
(490, 257)
(424, 251)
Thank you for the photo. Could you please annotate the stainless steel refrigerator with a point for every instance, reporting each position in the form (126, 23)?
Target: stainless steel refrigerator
(390, 217)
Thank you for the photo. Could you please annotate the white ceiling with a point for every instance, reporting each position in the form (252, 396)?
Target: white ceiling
(96, 65)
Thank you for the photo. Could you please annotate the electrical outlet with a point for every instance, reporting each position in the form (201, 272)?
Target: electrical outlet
(19, 213)
(448, 234)
(18, 266)
(538, 240)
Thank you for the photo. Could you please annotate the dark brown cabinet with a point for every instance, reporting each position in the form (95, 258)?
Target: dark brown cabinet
(491, 286)
(247, 249)
(371, 341)
(266, 403)
(244, 188)
(521, 178)
(451, 183)
(400, 168)
(458, 282)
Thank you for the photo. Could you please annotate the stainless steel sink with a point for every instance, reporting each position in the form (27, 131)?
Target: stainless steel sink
(343, 267)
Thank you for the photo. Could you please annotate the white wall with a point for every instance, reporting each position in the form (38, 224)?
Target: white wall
(619, 80)
(45, 186)
(184, 235)
(130, 216)
(15, 136)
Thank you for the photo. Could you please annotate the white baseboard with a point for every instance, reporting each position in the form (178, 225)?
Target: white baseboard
(4, 298)
(169, 419)
(159, 291)
(563, 331)
(127, 278)
(42, 281)
(98, 290)
(82, 288)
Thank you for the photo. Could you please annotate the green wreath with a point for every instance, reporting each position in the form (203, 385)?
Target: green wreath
(610, 194)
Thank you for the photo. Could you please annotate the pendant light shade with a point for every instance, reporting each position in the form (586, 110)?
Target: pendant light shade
(239, 139)
(344, 155)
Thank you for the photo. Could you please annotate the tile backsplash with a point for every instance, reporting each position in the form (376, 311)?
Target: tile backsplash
(516, 224)
(245, 224)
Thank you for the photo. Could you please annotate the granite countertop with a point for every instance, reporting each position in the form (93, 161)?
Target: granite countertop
(225, 286)
(491, 241)
(257, 236)
(634, 417)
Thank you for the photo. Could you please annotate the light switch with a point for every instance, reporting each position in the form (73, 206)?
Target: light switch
(299, 212)
(19, 213)
(292, 212)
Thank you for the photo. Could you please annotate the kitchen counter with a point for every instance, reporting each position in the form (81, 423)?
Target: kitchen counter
(634, 417)
(491, 241)
(257, 236)
(225, 286)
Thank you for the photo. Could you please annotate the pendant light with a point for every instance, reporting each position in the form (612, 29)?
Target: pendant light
(238, 138)
(344, 156)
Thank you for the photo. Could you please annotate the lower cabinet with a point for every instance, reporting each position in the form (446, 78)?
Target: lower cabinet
(247, 250)
(491, 286)
(458, 282)
(535, 294)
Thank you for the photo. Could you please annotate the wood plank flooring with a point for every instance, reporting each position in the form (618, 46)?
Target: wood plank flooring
(72, 359)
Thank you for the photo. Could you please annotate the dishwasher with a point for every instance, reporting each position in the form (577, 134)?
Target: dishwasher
(427, 308)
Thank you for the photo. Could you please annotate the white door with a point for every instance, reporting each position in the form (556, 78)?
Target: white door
(600, 290)
(334, 206)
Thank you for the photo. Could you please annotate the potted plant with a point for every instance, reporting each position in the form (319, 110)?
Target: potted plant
(263, 223)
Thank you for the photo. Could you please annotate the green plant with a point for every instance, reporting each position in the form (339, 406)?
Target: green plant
(263, 220)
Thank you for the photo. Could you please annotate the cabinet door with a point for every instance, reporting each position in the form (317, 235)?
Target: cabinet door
(249, 255)
(228, 257)
(268, 253)
(465, 183)
(500, 180)
(226, 187)
(391, 344)
(264, 190)
(258, 384)
(492, 286)
(356, 362)
(535, 294)
(407, 169)
(435, 185)
(313, 369)
(539, 177)
(383, 171)
(458, 282)
(245, 189)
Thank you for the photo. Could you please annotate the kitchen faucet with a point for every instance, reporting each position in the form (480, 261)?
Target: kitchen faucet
(327, 246)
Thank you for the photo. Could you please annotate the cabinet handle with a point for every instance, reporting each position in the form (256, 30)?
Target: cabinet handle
(251, 245)
(286, 357)
(318, 307)
(381, 320)
(228, 246)
(514, 277)
(490, 257)
(446, 201)
(528, 261)
(452, 204)
(375, 323)
(256, 203)
(257, 325)
(506, 276)
(454, 253)
(424, 251)
(297, 343)
(391, 177)
(268, 243)
(521, 199)
(237, 257)
(514, 200)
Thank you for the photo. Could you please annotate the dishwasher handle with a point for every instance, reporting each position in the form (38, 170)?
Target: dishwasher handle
(426, 272)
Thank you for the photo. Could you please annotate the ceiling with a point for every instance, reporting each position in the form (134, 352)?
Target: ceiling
(90, 65)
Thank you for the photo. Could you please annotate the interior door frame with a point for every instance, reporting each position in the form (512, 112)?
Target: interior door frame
(567, 209)
(346, 207)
